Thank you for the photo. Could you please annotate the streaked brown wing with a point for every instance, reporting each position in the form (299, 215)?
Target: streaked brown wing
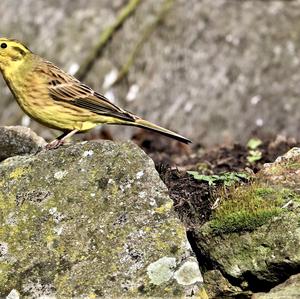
(66, 88)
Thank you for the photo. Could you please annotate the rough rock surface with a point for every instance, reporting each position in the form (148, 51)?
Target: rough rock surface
(290, 289)
(253, 235)
(17, 140)
(217, 286)
(225, 67)
(93, 219)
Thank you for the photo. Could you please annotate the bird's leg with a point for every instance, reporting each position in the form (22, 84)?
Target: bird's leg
(60, 140)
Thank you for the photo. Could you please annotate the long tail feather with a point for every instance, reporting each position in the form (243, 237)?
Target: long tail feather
(141, 123)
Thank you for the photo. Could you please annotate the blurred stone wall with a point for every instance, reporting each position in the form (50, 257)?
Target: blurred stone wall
(212, 70)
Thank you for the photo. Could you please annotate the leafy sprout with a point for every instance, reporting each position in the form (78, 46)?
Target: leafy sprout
(227, 178)
(254, 153)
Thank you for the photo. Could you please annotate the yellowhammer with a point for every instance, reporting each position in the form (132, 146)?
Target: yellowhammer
(57, 99)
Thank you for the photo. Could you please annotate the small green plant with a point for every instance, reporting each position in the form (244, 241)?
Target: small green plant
(254, 156)
(254, 153)
(227, 178)
(254, 143)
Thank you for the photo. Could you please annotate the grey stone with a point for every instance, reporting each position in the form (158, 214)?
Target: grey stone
(217, 286)
(17, 140)
(92, 219)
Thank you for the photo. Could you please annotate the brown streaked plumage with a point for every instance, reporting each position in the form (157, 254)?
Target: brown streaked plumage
(57, 99)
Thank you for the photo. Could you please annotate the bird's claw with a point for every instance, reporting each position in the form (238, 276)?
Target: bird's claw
(54, 144)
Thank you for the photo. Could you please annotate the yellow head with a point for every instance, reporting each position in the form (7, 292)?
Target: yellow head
(12, 53)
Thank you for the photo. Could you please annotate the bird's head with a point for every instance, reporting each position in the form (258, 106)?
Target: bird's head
(12, 53)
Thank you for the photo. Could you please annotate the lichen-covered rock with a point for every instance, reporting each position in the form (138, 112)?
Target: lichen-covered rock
(92, 219)
(18, 141)
(290, 289)
(253, 235)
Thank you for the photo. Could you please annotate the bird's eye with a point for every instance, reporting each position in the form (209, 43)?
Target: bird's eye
(3, 45)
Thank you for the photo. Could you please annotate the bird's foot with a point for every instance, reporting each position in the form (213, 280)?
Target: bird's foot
(60, 140)
(56, 143)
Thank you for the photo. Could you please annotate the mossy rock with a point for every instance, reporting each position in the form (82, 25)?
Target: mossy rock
(248, 207)
(253, 235)
(93, 219)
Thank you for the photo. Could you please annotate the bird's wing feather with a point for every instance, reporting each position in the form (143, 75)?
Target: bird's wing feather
(66, 88)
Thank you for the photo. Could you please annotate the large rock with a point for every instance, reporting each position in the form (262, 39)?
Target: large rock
(93, 219)
(224, 67)
(253, 235)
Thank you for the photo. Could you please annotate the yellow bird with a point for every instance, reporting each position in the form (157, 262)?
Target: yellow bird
(58, 100)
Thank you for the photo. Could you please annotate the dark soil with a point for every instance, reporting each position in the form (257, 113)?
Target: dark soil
(192, 198)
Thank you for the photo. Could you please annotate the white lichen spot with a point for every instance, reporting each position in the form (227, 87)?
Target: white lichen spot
(60, 174)
(142, 194)
(53, 210)
(11, 219)
(88, 153)
(57, 216)
(58, 230)
(13, 294)
(139, 174)
(3, 249)
(162, 270)
(188, 273)
(152, 202)
(42, 290)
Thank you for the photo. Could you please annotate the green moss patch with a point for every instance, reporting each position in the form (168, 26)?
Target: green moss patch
(248, 207)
